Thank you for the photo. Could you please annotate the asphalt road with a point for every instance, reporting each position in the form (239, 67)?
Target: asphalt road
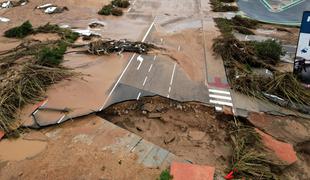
(256, 10)
(147, 75)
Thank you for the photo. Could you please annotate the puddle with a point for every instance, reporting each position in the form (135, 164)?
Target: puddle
(16, 150)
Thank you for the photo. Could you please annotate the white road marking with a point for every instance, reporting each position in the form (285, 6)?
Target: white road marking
(139, 95)
(144, 81)
(59, 121)
(172, 75)
(219, 91)
(220, 97)
(140, 59)
(132, 5)
(117, 82)
(168, 96)
(148, 31)
(217, 108)
(179, 48)
(154, 58)
(119, 79)
(169, 89)
(129, 9)
(150, 67)
(221, 102)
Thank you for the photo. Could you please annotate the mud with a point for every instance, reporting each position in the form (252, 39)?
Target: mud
(16, 150)
(182, 128)
(75, 150)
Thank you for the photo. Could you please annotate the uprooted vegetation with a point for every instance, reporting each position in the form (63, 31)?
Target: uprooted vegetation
(27, 70)
(249, 158)
(242, 58)
(223, 5)
(114, 8)
(237, 23)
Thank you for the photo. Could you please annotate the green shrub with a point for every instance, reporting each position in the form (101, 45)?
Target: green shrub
(121, 3)
(19, 31)
(48, 28)
(269, 50)
(117, 12)
(66, 34)
(165, 175)
(106, 10)
(52, 56)
(243, 30)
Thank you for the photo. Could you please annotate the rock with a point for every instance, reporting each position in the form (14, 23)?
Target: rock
(148, 107)
(154, 115)
(282, 151)
(196, 135)
(179, 106)
(169, 139)
(160, 107)
(144, 112)
(96, 24)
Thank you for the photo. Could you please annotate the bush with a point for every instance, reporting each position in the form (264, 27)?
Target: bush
(19, 31)
(52, 57)
(106, 10)
(117, 12)
(121, 3)
(245, 22)
(165, 175)
(243, 30)
(218, 6)
(224, 25)
(269, 50)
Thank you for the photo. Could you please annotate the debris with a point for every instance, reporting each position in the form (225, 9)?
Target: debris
(154, 115)
(303, 147)
(1, 134)
(107, 47)
(283, 151)
(10, 4)
(169, 139)
(52, 9)
(148, 107)
(96, 24)
(86, 32)
(3, 19)
(182, 171)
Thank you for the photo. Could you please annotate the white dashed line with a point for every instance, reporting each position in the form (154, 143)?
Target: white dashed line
(154, 58)
(221, 102)
(220, 97)
(150, 67)
(169, 89)
(144, 81)
(139, 95)
(59, 121)
(179, 48)
(172, 75)
(148, 31)
(119, 79)
(219, 91)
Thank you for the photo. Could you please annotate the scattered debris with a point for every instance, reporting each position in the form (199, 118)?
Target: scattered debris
(107, 47)
(3, 19)
(10, 4)
(96, 24)
(52, 9)
(28, 69)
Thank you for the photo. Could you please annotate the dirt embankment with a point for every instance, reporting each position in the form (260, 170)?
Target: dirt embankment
(182, 128)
